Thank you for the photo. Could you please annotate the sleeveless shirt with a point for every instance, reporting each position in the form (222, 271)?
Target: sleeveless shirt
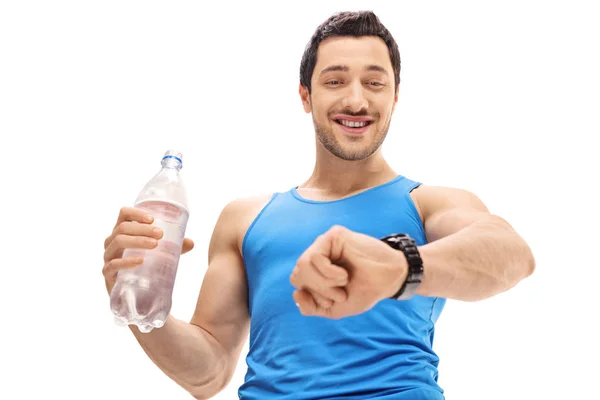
(384, 353)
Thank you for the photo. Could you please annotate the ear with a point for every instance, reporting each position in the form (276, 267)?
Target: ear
(305, 97)
(396, 97)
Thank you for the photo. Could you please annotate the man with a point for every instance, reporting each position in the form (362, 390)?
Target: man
(332, 308)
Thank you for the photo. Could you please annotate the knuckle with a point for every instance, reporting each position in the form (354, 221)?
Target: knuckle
(304, 259)
(325, 302)
(313, 258)
(337, 281)
(338, 295)
(337, 230)
(121, 228)
(120, 239)
(106, 268)
(113, 265)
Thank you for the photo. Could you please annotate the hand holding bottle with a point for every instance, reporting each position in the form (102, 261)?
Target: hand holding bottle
(133, 230)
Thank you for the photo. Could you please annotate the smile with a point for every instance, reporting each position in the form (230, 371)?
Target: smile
(353, 124)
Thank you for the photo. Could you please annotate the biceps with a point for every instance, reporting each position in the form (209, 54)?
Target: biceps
(222, 306)
(448, 222)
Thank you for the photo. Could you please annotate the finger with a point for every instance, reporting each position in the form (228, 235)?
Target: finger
(330, 271)
(330, 244)
(112, 267)
(306, 276)
(305, 302)
(188, 245)
(134, 214)
(321, 301)
(337, 294)
(129, 214)
(121, 242)
(307, 305)
(133, 228)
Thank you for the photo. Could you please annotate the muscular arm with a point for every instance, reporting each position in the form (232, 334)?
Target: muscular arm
(188, 355)
(472, 254)
(201, 356)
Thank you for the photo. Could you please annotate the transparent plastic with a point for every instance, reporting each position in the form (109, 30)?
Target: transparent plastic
(142, 296)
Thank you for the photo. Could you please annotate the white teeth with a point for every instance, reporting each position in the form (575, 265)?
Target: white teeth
(353, 124)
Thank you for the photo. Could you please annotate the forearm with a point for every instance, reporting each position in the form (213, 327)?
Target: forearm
(188, 355)
(479, 261)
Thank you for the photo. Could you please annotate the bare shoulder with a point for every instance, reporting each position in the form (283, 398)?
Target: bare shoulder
(237, 216)
(432, 199)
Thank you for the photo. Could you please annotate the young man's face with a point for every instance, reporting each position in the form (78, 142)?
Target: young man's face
(353, 95)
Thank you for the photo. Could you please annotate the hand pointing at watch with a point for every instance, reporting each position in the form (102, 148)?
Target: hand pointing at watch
(354, 270)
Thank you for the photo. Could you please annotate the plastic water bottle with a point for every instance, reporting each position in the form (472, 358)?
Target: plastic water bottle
(142, 296)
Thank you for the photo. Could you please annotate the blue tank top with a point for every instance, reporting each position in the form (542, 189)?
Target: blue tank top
(384, 353)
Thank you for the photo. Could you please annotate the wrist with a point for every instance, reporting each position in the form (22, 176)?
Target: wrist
(412, 271)
(398, 267)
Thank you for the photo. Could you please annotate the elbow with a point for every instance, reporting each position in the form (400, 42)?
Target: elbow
(525, 261)
(529, 263)
(522, 269)
(516, 270)
(212, 385)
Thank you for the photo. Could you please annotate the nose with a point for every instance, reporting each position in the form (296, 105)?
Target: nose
(354, 99)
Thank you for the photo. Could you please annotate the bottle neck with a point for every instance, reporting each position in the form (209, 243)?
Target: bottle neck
(171, 163)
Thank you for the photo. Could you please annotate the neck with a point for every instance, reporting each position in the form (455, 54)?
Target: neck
(335, 177)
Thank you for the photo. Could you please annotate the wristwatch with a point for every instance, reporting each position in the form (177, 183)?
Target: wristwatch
(407, 245)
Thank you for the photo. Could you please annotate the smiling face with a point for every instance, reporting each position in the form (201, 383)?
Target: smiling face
(353, 95)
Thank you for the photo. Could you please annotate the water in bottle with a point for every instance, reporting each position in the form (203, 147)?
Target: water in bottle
(142, 296)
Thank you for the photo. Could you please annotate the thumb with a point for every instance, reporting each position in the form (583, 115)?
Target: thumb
(188, 244)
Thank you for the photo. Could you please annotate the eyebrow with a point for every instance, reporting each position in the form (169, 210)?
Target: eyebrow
(345, 68)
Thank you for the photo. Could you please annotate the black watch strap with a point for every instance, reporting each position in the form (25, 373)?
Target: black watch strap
(407, 245)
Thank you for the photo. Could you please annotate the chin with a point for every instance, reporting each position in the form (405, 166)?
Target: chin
(353, 152)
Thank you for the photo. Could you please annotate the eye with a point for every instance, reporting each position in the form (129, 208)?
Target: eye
(333, 82)
(375, 83)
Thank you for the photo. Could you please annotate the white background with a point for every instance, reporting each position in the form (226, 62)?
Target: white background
(501, 99)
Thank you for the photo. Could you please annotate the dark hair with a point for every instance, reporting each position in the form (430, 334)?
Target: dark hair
(348, 23)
